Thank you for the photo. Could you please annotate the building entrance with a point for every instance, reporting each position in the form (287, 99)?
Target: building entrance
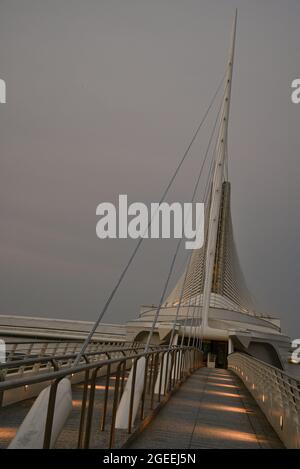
(217, 348)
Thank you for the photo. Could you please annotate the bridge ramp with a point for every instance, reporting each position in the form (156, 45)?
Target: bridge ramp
(212, 409)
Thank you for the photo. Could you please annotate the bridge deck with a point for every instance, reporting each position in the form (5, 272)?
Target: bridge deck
(212, 409)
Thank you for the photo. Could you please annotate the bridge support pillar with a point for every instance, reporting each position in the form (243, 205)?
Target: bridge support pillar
(163, 376)
(31, 434)
(131, 396)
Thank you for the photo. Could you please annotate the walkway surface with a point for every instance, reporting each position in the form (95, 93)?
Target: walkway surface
(212, 409)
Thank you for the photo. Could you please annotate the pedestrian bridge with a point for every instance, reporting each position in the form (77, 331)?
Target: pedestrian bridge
(212, 409)
(146, 384)
(174, 401)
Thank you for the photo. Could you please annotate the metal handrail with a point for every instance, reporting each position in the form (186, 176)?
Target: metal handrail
(183, 360)
(15, 383)
(14, 370)
(46, 359)
(15, 350)
(275, 391)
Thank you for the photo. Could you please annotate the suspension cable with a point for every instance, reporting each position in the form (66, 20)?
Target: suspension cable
(187, 269)
(192, 200)
(131, 258)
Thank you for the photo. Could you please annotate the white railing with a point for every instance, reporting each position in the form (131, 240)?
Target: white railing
(277, 394)
(28, 359)
(27, 348)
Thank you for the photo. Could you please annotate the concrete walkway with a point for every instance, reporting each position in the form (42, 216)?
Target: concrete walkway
(212, 409)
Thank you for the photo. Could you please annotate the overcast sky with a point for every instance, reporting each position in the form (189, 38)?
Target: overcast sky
(102, 99)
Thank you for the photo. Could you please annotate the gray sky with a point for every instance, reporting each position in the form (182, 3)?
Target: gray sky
(102, 99)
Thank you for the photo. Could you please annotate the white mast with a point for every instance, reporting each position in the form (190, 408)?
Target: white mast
(221, 150)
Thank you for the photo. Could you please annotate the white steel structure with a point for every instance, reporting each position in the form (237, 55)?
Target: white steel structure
(211, 301)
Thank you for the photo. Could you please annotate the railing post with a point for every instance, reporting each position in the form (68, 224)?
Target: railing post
(166, 384)
(151, 359)
(155, 374)
(181, 367)
(144, 388)
(114, 409)
(2, 378)
(177, 356)
(132, 391)
(83, 409)
(169, 383)
(50, 415)
(160, 376)
(88, 424)
(107, 381)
